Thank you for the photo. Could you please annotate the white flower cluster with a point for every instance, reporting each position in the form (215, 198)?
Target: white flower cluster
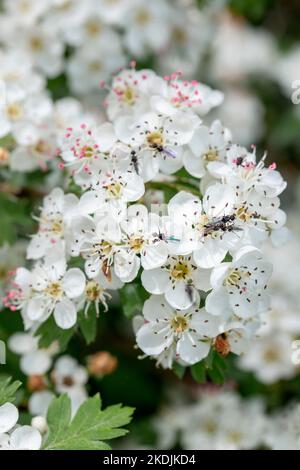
(199, 256)
(46, 378)
(85, 42)
(219, 419)
(271, 357)
(89, 40)
(30, 122)
(14, 437)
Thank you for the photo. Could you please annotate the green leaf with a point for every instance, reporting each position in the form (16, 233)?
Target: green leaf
(198, 372)
(178, 370)
(218, 369)
(88, 324)
(8, 389)
(132, 297)
(89, 427)
(49, 332)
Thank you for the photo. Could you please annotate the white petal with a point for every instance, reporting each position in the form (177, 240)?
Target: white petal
(89, 202)
(65, 314)
(154, 256)
(25, 438)
(180, 296)
(35, 363)
(39, 402)
(155, 281)
(217, 302)
(36, 308)
(74, 283)
(191, 349)
(218, 200)
(205, 324)
(156, 308)
(210, 254)
(22, 343)
(8, 417)
(152, 341)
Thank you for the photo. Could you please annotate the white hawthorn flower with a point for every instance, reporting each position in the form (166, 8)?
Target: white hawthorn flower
(209, 225)
(143, 237)
(111, 191)
(97, 241)
(130, 92)
(97, 292)
(157, 139)
(54, 220)
(238, 286)
(70, 377)
(82, 147)
(179, 279)
(241, 171)
(20, 114)
(188, 331)
(92, 63)
(147, 28)
(16, 438)
(54, 289)
(190, 96)
(207, 145)
(43, 46)
(34, 361)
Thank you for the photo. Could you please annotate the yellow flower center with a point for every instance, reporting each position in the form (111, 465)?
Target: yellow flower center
(57, 226)
(179, 35)
(93, 291)
(180, 270)
(14, 111)
(179, 323)
(36, 43)
(93, 27)
(128, 95)
(271, 355)
(25, 6)
(234, 277)
(41, 147)
(210, 426)
(155, 139)
(142, 17)
(211, 155)
(114, 190)
(95, 66)
(243, 214)
(136, 243)
(54, 290)
(203, 220)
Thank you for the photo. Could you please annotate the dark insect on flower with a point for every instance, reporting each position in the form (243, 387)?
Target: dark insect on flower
(106, 271)
(163, 237)
(135, 162)
(239, 161)
(190, 292)
(223, 224)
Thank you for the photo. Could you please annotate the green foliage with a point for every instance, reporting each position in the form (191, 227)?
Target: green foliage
(132, 297)
(198, 372)
(213, 366)
(88, 324)
(255, 11)
(89, 427)
(179, 370)
(14, 218)
(49, 332)
(8, 389)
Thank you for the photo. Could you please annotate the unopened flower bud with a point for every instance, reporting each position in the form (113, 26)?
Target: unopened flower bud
(102, 363)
